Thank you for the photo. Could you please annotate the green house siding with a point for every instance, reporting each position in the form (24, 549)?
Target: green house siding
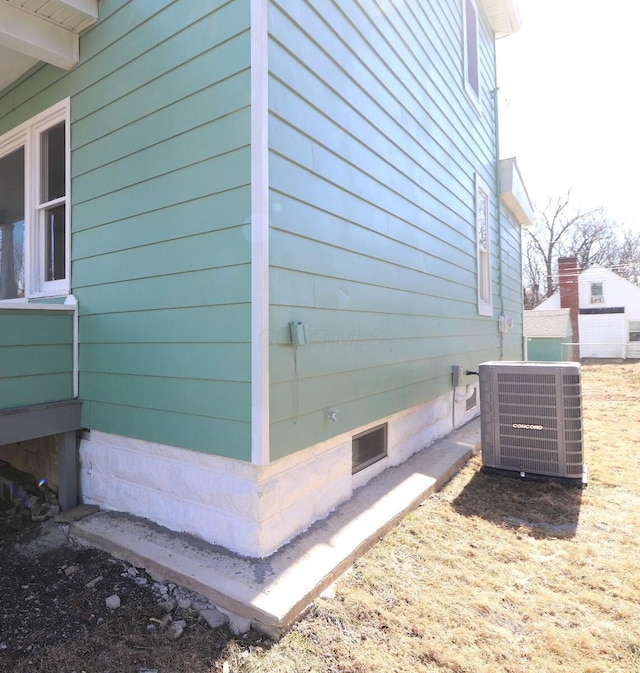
(36, 357)
(160, 164)
(374, 147)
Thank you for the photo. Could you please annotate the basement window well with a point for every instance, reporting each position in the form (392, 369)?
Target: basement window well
(368, 448)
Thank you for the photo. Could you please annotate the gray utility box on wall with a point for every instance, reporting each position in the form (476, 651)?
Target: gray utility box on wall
(531, 418)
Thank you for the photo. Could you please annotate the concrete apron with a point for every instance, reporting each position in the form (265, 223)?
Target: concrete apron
(270, 594)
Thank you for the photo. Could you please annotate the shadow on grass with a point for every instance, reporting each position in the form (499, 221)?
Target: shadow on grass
(541, 509)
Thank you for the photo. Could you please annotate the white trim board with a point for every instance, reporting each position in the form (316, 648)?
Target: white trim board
(259, 234)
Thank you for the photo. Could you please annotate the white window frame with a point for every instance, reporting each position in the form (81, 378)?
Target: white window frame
(471, 64)
(28, 135)
(597, 298)
(633, 328)
(482, 209)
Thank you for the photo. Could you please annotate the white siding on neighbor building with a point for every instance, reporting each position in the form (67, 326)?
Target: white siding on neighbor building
(604, 335)
(616, 291)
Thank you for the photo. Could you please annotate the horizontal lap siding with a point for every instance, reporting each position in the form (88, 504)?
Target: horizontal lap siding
(36, 357)
(160, 107)
(161, 245)
(374, 145)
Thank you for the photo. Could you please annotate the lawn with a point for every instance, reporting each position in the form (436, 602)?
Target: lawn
(494, 574)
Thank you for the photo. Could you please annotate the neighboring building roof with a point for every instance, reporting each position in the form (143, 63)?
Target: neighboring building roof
(549, 324)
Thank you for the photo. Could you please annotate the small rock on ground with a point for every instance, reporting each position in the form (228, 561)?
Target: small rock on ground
(112, 602)
(213, 617)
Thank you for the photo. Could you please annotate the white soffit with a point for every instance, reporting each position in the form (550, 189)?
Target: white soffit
(41, 30)
(503, 16)
(514, 193)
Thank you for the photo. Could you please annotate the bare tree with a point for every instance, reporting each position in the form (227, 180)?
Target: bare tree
(533, 272)
(593, 239)
(625, 258)
(562, 230)
(550, 236)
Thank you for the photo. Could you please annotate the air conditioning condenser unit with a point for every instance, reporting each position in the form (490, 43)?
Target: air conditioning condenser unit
(531, 418)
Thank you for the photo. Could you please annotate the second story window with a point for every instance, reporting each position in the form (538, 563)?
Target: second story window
(483, 236)
(471, 59)
(597, 296)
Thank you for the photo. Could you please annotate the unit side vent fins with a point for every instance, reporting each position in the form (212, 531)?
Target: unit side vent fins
(531, 417)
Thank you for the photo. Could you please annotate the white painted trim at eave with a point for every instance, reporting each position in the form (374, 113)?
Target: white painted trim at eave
(34, 36)
(88, 8)
(503, 17)
(259, 233)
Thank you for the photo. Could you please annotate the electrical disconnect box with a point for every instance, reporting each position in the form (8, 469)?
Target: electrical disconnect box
(456, 375)
(299, 334)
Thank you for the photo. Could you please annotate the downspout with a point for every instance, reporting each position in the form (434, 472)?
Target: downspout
(498, 208)
(71, 300)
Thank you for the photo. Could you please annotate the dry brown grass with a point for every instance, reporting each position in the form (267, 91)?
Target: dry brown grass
(495, 574)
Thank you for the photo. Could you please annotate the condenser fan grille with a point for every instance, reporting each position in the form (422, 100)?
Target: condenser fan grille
(532, 417)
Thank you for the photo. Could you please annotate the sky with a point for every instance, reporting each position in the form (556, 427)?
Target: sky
(570, 103)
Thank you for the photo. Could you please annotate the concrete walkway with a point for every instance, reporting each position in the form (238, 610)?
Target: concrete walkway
(270, 594)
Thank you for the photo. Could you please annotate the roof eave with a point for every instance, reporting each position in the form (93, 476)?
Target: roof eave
(45, 31)
(503, 17)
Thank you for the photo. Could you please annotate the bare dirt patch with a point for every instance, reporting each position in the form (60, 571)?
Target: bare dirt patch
(54, 615)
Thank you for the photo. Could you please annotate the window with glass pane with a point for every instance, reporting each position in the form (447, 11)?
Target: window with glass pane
(52, 202)
(34, 206)
(483, 241)
(482, 222)
(597, 296)
(634, 330)
(12, 251)
(472, 71)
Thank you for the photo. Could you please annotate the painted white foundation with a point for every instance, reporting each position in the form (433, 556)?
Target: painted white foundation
(247, 508)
